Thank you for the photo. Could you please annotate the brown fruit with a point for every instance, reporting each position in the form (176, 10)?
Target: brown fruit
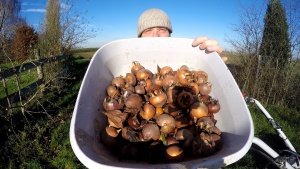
(198, 110)
(174, 153)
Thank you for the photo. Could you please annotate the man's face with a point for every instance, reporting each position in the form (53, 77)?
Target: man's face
(156, 32)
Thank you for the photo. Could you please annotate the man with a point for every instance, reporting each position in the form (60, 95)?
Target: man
(156, 23)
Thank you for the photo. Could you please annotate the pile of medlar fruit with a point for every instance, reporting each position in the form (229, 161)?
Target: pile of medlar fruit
(167, 116)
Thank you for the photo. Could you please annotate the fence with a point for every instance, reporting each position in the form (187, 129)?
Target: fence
(22, 93)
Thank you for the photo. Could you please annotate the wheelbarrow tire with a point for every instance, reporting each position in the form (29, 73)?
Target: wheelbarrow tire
(262, 159)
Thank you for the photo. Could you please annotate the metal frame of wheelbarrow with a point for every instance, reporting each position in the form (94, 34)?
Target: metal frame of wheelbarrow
(287, 158)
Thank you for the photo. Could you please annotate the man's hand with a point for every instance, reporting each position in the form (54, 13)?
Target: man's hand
(210, 45)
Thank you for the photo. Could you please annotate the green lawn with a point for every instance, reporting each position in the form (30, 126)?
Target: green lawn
(85, 52)
(26, 78)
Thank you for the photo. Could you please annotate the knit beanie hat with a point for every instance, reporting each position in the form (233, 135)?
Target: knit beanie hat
(153, 18)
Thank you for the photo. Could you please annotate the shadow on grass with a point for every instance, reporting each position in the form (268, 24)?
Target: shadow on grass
(27, 140)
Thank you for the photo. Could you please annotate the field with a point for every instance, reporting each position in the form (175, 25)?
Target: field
(43, 140)
(26, 78)
(85, 52)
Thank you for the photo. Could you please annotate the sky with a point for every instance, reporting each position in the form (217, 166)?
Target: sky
(117, 19)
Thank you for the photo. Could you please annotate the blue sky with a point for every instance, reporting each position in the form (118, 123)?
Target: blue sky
(117, 19)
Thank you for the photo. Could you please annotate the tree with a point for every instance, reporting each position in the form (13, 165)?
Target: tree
(75, 28)
(275, 42)
(63, 29)
(52, 27)
(246, 46)
(9, 11)
(275, 80)
(292, 9)
(23, 43)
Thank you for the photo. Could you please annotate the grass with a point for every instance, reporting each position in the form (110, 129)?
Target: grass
(233, 58)
(60, 143)
(286, 118)
(26, 78)
(86, 52)
(42, 141)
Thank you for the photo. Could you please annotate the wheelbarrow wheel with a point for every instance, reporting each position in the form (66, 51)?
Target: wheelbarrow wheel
(262, 159)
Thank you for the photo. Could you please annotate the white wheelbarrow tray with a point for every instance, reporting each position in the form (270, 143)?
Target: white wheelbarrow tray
(115, 59)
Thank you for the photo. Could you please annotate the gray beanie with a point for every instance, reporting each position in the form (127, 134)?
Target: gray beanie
(152, 18)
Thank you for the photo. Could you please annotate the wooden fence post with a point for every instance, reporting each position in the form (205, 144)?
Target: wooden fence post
(6, 93)
(18, 82)
(10, 99)
(40, 69)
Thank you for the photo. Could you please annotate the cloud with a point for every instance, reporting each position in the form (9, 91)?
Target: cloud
(34, 10)
(30, 4)
(63, 7)
(33, 7)
(25, 3)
